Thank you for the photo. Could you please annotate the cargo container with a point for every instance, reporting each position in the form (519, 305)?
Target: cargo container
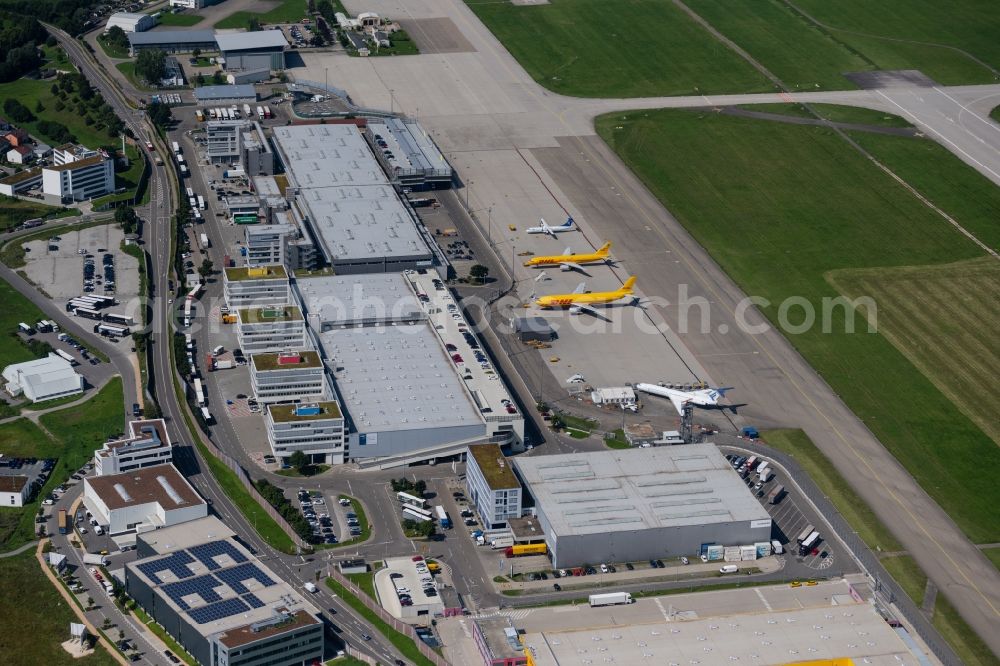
(610, 599)
(246, 111)
(66, 356)
(776, 494)
(526, 549)
(95, 559)
(260, 112)
(199, 115)
(444, 522)
(63, 522)
(766, 475)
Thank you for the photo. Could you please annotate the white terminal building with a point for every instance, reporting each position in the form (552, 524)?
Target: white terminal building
(389, 353)
(271, 328)
(288, 377)
(358, 222)
(316, 429)
(43, 379)
(640, 504)
(492, 486)
(261, 285)
(141, 500)
(78, 174)
(145, 445)
(130, 22)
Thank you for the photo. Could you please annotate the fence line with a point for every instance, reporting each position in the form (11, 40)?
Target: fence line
(886, 589)
(393, 622)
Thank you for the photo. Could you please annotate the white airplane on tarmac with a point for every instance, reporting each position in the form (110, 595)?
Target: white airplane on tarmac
(702, 398)
(546, 228)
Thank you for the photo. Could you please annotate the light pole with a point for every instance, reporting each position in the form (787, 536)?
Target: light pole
(467, 188)
(392, 101)
(489, 226)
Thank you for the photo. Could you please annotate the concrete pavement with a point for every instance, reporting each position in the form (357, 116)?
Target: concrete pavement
(496, 125)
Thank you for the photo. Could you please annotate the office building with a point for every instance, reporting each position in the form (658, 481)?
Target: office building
(222, 140)
(640, 504)
(21, 182)
(222, 604)
(130, 22)
(43, 379)
(256, 155)
(273, 328)
(264, 49)
(142, 500)
(493, 489)
(266, 244)
(258, 285)
(75, 178)
(498, 642)
(146, 444)
(316, 429)
(355, 216)
(294, 376)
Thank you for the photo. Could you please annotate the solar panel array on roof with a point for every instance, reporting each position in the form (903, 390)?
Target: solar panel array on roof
(252, 599)
(218, 610)
(203, 586)
(176, 563)
(234, 577)
(208, 552)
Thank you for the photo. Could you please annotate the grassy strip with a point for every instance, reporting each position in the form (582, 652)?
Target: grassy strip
(289, 11)
(14, 211)
(401, 642)
(819, 468)
(994, 556)
(73, 114)
(832, 112)
(905, 571)
(345, 661)
(111, 50)
(34, 617)
(748, 210)
(267, 528)
(618, 441)
(366, 581)
(173, 645)
(970, 648)
(995, 113)
(129, 179)
(185, 20)
(128, 69)
(661, 593)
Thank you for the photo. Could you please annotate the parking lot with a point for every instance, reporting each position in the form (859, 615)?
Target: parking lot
(332, 519)
(58, 265)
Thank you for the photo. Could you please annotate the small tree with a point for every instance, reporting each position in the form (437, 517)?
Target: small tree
(121, 635)
(479, 273)
(420, 487)
(196, 52)
(199, 80)
(206, 269)
(253, 25)
(299, 461)
(90, 602)
(218, 79)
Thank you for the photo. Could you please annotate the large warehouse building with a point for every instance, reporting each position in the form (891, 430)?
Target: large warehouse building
(640, 504)
(172, 41)
(263, 49)
(357, 220)
(218, 601)
(130, 22)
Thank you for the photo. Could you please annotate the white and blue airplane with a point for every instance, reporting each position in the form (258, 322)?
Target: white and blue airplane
(701, 398)
(545, 228)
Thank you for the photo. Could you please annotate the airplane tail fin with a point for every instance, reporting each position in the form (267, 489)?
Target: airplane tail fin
(604, 249)
(568, 223)
(629, 283)
(723, 389)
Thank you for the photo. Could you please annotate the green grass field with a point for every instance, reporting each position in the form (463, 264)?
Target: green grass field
(16, 309)
(78, 431)
(289, 11)
(652, 48)
(128, 69)
(15, 211)
(995, 114)
(944, 319)
(963, 640)
(129, 179)
(777, 226)
(30, 92)
(111, 50)
(34, 618)
(994, 556)
(183, 20)
(908, 574)
(55, 57)
(835, 487)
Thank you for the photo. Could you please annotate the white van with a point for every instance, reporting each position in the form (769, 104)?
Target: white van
(218, 350)
(98, 530)
(728, 569)
(776, 545)
(310, 587)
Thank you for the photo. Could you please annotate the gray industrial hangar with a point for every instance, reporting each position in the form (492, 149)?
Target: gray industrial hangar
(640, 504)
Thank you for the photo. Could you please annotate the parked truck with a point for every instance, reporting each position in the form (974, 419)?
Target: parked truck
(444, 522)
(501, 542)
(95, 559)
(776, 494)
(204, 241)
(63, 522)
(610, 599)
(766, 475)
(526, 549)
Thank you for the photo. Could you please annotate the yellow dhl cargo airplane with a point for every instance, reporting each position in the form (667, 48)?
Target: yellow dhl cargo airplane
(567, 261)
(578, 301)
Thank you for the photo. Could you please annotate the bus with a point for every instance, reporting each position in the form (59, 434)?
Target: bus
(805, 533)
(193, 294)
(124, 320)
(201, 202)
(190, 192)
(199, 392)
(89, 313)
(112, 330)
(410, 500)
(197, 216)
(175, 146)
(811, 541)
(416, 514)
(67, 357)
(99, 301)
(205, 414)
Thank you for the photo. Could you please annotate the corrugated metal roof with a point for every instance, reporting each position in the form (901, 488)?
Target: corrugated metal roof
(248, 41)
(171, 37)
(224, 92)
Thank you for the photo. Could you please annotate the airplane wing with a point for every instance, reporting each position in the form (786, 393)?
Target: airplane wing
(580, 288)
(679, 403)
(567, 252)
(566, 265)
(579, 308)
